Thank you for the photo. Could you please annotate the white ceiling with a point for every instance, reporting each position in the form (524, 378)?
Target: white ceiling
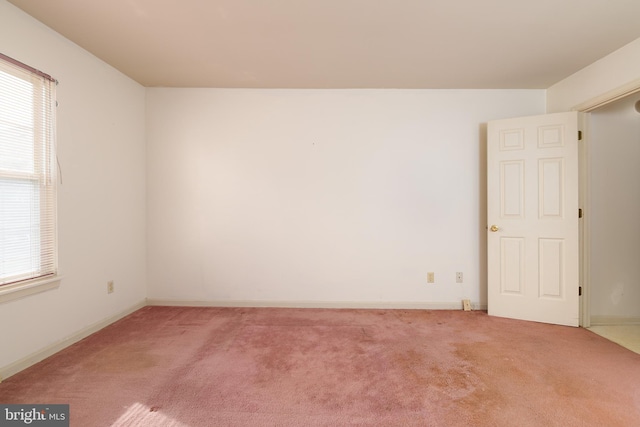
(344, 43)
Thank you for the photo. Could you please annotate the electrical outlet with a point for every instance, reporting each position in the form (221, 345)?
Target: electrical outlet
(459, 277)
(466, 305)
(110, 288)
(431, 277)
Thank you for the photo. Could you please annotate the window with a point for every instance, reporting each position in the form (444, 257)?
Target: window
(28, 248)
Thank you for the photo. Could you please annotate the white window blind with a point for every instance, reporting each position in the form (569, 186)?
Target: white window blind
(28, 248)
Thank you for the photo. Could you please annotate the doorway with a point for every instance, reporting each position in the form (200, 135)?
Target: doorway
(612, 252)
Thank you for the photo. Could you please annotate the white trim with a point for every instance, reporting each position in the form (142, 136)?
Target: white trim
(32, 359)
(586, 107)
(614, 320)
(316, 304)
(584, 162)
(29, 287)
(610, 96)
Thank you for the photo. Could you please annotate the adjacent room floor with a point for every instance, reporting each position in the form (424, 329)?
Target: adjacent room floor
(627, 336)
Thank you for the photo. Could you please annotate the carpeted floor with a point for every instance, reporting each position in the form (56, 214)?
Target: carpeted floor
(186, 366)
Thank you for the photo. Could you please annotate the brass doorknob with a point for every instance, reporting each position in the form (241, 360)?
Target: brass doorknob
(494, 228)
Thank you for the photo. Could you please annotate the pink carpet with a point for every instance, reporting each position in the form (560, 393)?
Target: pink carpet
(179, 366)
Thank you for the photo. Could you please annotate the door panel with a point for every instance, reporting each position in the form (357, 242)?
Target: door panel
(512, 189)
(532, 178)
(512, 265)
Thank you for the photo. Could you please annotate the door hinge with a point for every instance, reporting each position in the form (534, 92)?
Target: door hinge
(579, 135)
(579, 212)
(579, 291)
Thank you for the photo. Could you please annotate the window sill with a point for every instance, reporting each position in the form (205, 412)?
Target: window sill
(31, 287)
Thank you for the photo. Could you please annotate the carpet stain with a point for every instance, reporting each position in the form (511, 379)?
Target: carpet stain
(499, 372)
(494, 359)
(411, 365)
(565, 386)
(125, 357)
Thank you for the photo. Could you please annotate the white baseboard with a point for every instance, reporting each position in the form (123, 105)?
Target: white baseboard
(614, 320)
(317, 304)
(32, 359)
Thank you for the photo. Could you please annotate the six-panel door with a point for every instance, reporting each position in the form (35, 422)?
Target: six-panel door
(533, 252)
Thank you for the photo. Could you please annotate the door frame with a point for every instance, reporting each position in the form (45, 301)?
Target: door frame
(584, 188)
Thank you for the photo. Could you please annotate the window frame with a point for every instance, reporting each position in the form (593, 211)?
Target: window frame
(43, 176)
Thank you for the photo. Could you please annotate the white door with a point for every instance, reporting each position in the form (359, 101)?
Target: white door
(532, 202)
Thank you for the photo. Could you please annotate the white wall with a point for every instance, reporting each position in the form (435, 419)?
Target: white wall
(320, 197)
(618, 69)
(615, 210)
(101, 213)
